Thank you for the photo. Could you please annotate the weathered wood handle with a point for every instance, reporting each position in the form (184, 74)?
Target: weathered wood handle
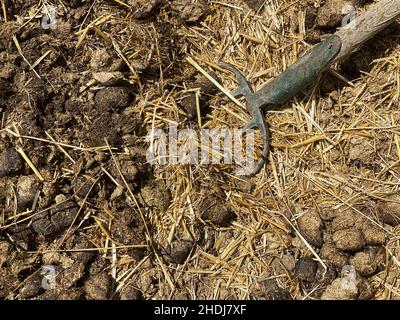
(364, 27)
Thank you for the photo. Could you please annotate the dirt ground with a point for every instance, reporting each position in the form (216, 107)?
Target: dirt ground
(80, 203)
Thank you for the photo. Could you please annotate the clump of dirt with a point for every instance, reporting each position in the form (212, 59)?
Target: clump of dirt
(319, 19)
(389, 211)
(10, 163)
(142, 9)
(7, 30)
(98, 287)
(179, 251)
(347, 219)
(112, 99)
(85, 187)
(349, 240)
(156, 195)
(213, 209)
(128, 228)
(330, 14)
(305, 269)
(366, 262)
(56, 220)
(190, 10)
(82, 243)
(8, 283)
(272, 291)
(130, 293)
(310, 225)
(130, 170)
(31, 287)
(332, 254)
(362, 153)
(27, 189)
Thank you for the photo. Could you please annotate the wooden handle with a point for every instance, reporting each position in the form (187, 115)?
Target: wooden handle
(364, 27)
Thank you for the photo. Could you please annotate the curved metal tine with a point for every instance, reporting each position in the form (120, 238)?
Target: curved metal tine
(258, 122)
(244, 88)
